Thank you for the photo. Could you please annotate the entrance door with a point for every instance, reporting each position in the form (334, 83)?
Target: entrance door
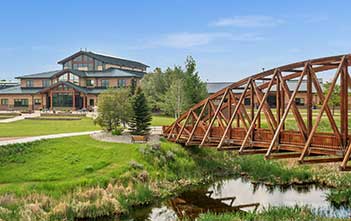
(91, 102)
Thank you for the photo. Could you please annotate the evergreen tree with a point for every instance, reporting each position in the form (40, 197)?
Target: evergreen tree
(133, 87)
(141, 117)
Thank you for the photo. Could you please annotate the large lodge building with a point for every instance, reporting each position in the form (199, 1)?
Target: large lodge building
(84, 75)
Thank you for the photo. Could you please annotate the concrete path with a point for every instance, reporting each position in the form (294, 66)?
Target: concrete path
(44, 137)
(22, 117)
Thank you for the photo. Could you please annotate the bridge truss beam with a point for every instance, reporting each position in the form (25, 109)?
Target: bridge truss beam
(222, 120)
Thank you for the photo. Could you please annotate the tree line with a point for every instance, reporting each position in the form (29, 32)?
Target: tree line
(175, 89)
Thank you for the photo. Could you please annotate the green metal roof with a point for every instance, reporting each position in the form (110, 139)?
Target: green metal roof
(107, 59)
(19, 90)
(111, 72)
(47, 74)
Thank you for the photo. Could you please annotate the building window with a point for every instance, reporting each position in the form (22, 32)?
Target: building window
(122, 83)
(63, 77)
(46, 83)
(90, 67)
(4, 101)
(105, 83)
(300, 101)
(67, 65)
(78, 59)
(74, 79)
(21, 102)
(37, 102)
(69, 77)
(89, 83)
(247, 101)
(29, 83)
(91, 102)
(98, 65)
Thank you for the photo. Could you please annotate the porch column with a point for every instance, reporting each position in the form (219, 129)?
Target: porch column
(42, 101)
(84, 101)
(74, 101)
(51, 100)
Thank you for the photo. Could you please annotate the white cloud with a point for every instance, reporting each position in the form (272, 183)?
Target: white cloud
(249, 21)
(188, 40)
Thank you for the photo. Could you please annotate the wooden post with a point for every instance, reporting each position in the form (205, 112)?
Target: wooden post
(344, 105)
(50, 100)
(309, 102)
(73, 101)
(84, 101)
(42, 101)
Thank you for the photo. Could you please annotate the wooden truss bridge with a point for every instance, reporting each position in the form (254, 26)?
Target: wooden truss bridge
(224, 121)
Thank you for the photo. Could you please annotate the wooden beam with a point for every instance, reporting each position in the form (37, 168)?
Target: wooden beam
(286, 112)
(214, 117)
(309, 101)
(183, 126)
(252, 126)
(319, 117)
(232, 117)
(330, 116)
(322, 160)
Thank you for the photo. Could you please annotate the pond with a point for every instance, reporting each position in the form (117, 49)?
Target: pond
(245, 195)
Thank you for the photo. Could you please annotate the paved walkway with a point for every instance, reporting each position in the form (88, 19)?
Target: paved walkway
(44, 137)
(155, 130)
(22, 117)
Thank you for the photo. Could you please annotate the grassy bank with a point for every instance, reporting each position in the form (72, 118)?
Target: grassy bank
(79, 177)
(273, 213)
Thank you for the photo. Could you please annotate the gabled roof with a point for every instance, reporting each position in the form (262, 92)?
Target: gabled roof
(107, 59)
(47, 74)
(67, 83)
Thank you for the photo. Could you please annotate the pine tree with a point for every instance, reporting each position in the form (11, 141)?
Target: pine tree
(141, 118)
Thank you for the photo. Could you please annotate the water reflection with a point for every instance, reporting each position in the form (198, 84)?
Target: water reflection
(218, 198)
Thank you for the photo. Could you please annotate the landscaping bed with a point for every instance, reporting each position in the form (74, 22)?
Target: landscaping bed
(62, 115)
(12, 114)
(53, 118)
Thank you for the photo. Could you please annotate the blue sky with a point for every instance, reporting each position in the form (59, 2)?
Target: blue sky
(228, 39)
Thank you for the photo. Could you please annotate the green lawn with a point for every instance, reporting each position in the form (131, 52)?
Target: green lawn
(25, 128)
(161, 120)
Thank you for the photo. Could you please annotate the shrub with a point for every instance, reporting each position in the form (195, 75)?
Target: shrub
(117, 131)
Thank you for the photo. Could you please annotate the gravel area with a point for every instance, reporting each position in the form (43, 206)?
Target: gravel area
(126, 138)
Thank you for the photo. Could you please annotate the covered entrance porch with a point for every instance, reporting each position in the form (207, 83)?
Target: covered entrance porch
(63, 96)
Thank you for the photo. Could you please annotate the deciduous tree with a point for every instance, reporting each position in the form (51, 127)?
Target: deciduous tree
(114, 108)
